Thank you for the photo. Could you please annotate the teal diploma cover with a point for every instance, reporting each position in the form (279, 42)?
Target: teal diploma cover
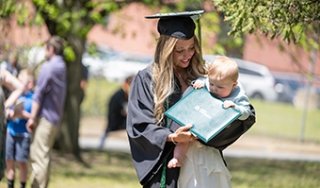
(205, 112)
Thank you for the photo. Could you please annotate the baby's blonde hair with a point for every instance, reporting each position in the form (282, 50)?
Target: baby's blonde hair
(223, 68)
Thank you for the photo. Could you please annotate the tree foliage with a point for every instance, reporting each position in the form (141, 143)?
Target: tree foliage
(296, 21)
(71, 20)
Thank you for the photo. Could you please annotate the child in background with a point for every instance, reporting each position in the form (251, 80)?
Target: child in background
(18, 138)
(222, 82)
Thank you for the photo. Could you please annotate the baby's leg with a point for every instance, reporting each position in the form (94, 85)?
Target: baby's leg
(178, 155)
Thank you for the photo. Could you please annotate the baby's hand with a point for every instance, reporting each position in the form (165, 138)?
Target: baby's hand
(228, 104)
(198, 84)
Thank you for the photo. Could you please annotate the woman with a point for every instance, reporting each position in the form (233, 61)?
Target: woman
(152, 138)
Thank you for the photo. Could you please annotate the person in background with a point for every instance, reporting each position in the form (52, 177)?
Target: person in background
(83, 82)
(47, 110)
(12, 66)
(117, 110)
(7, 80)
(18, 138)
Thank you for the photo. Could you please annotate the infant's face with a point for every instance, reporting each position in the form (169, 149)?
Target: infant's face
(221, 88)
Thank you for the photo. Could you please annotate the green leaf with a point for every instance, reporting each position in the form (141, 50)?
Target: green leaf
(7, 8)
(38, 19)
(95, 16)
(22, 14)
(288, 18)
(69, 54)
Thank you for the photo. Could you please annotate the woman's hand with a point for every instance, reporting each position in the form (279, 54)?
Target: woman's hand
(182, 134)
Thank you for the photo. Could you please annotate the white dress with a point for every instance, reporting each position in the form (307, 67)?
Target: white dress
(203, 168)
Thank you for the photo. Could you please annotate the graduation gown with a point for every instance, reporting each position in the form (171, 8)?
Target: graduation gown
(148, 140)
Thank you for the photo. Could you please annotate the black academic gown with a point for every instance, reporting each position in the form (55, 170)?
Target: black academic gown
(149, 148)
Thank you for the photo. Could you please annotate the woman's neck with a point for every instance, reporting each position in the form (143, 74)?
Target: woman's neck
(182, 76)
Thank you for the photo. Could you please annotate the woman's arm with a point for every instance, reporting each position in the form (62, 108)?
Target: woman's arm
(14, 85)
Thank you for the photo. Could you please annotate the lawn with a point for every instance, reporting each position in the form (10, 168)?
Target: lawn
(285, 121)
(114, 170)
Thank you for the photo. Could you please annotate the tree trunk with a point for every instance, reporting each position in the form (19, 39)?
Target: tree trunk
(67, 140)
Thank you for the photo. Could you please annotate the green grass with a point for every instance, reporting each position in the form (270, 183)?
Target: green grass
(97, 96)
(285, 121)
(115, 170)
(248, 173)
(104, 170)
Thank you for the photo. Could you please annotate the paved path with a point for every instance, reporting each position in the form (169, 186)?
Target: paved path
(247, 146)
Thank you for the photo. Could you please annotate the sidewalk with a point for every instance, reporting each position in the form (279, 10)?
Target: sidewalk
(247, 146)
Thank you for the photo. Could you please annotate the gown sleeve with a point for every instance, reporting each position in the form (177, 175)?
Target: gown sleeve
(147, 139)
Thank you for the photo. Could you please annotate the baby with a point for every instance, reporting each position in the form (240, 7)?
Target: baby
(222, 82)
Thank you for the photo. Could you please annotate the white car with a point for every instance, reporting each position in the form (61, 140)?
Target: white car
(105, 62)
(114, 66)
(97, 61)
(125, 65)
(256, 79)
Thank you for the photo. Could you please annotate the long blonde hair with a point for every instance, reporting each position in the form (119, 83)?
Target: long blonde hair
(163, 74)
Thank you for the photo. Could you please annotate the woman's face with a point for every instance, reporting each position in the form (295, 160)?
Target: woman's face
(183, 52)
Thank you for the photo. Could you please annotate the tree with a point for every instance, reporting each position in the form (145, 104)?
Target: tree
(296, 21)
(71, 20)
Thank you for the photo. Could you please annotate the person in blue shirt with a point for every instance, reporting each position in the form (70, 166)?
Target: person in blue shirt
(11, 64)
(18, 138)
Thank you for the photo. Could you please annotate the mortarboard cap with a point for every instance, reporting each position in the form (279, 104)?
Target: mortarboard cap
(179, 25)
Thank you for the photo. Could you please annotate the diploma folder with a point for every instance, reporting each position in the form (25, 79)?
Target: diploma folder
(205, 112)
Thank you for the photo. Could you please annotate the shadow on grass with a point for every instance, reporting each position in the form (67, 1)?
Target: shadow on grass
(116, 168)
(96, 164)
(273, 173)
